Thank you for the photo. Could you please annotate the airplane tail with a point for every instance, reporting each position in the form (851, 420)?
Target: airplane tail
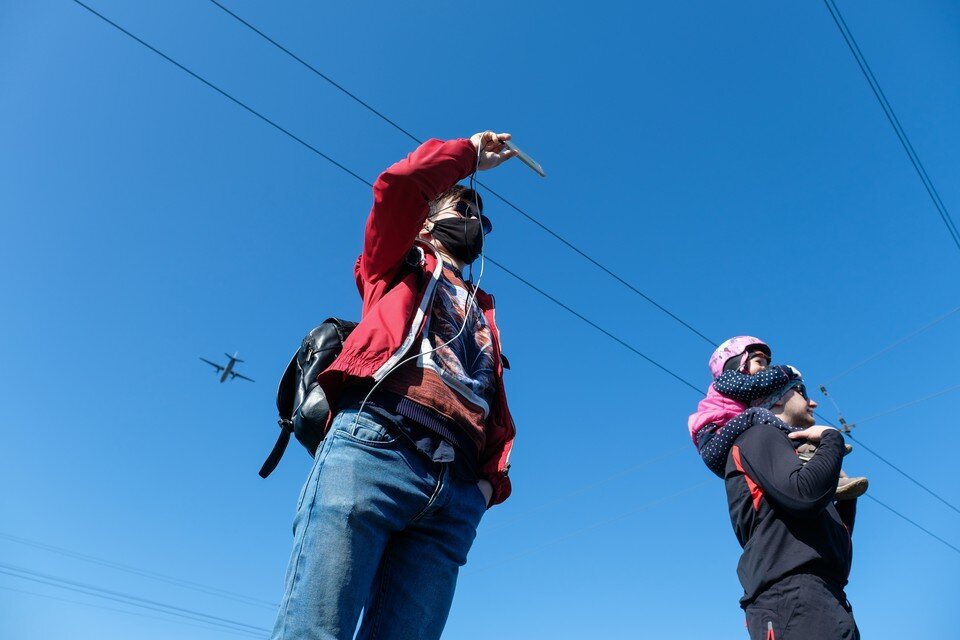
(234, 356)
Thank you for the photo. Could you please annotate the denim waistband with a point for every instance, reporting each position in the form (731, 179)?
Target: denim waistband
(438, 441)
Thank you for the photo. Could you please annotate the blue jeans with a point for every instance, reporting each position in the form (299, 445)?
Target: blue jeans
(380, 528)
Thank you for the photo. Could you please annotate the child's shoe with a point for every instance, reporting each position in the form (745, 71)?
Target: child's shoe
(851, 488)
(847, 488)
(806, 450)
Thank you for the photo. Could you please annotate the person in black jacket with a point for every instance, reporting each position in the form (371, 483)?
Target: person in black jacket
(797, 548)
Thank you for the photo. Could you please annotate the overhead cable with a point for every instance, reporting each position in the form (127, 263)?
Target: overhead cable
(364, 181)
(903, 473)
(906, 475)
(221, 91)
(126, 598)
(418, 140)
(596, 326)
(153, 575)
(309, 66)
(894, 121)
(164, 618)
(691, 385)
(370, 184)
(503, 199)
(895, 343)
(925, 398)
(914, 523)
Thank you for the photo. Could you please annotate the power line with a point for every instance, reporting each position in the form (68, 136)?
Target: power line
(890, 464)
(503, 199)
(222, 593)
(925, 398)
(126, 598)
(895, 343)
(411, 136)
(318, 72)
(892, 118)
(116, 596)
(527, 513)
(221, 91)
(128, 612)
(369, 184)
(692, 386)
(323, 155)
(914, 523)
(904, 473)
(563, 240)
(596, 326)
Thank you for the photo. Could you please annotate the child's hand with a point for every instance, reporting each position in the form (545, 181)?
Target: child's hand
(813, 434)
(793, 372)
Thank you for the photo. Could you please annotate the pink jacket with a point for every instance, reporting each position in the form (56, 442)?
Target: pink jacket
(716, 408)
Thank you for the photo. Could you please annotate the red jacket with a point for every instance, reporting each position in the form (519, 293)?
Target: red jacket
(397, 277)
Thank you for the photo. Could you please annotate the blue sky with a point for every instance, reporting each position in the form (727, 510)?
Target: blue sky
(726, 159)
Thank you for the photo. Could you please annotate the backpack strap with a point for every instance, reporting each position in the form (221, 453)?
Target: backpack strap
(298, 389)
(278, 449)
(286, 392)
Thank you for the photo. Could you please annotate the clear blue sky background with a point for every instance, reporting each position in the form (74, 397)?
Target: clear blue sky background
(726, 158)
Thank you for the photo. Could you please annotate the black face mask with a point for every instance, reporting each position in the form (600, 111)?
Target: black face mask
(462, 237)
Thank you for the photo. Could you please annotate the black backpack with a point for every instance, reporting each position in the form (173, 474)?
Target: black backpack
(301, 402)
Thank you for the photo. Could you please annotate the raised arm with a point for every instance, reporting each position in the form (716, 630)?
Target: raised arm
(747, 388)
(402, 195)
(769, 459)
(401, 198)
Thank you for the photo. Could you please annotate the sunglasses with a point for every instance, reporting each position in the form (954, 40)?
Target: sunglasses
(464, 208)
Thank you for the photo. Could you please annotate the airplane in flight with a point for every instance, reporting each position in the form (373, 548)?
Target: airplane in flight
(228, 370)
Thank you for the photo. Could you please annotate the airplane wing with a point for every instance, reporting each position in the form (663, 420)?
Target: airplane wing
(213, 364)
(238, 375)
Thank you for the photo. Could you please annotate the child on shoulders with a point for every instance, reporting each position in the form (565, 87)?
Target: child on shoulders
(742, 374)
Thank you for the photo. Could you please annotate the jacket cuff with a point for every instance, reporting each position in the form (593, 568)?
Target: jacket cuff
(501, 486)
(469, 155)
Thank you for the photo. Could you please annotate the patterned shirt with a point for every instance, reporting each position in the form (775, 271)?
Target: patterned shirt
(453, 378)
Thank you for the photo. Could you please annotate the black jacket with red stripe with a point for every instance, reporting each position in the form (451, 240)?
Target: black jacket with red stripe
(782, 510)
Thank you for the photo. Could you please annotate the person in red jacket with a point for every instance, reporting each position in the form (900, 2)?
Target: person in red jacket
(419, 445)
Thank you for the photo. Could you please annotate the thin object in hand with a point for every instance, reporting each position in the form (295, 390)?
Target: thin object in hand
(527, 160)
